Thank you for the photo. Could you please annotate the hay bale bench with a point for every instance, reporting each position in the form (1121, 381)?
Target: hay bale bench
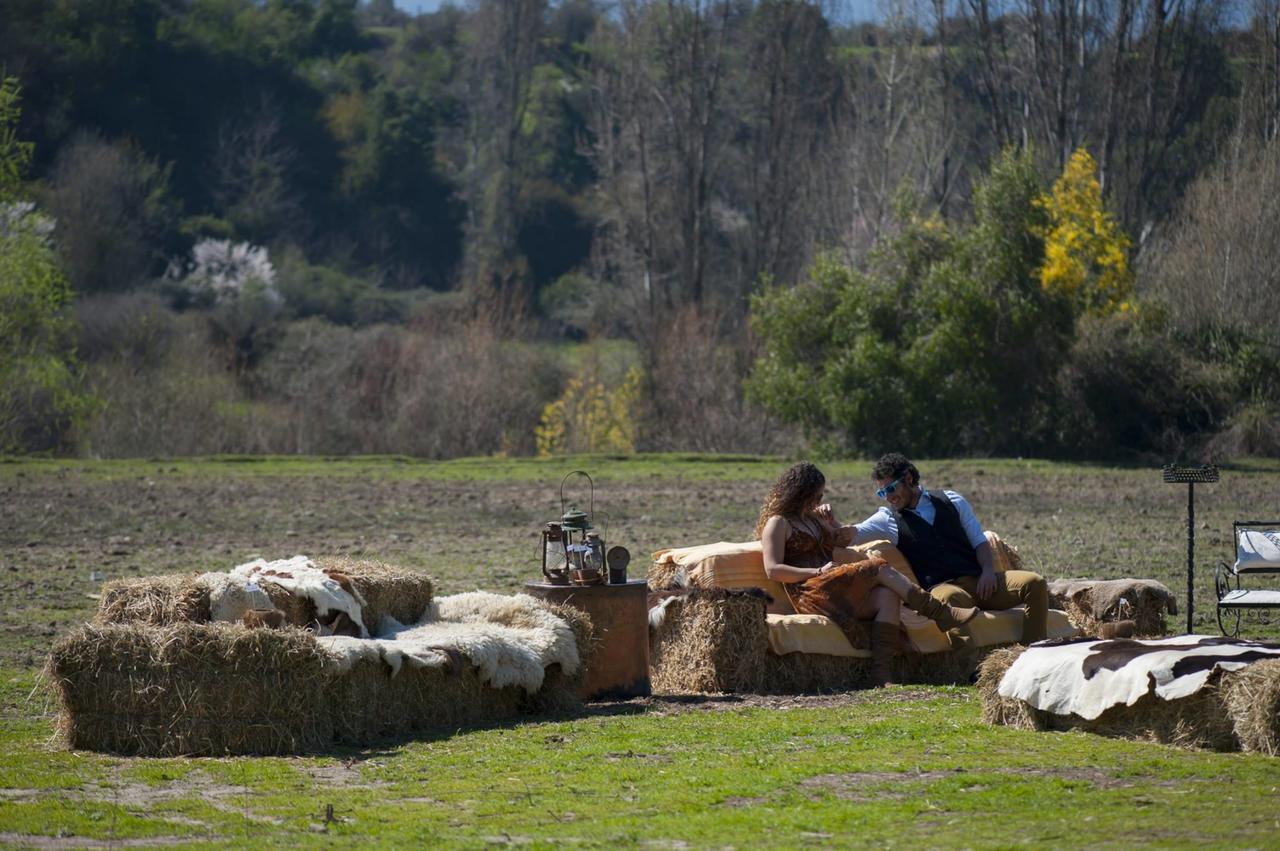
(733, 630)
(155, 676)
(1233, 706)
(1092, 602)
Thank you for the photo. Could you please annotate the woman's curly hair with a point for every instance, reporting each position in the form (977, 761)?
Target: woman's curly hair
(791, 492)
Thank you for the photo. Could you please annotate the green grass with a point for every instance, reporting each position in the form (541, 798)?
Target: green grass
(907, 767)
(902, 767)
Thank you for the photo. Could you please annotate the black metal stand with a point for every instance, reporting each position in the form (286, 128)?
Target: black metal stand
(1174, 474)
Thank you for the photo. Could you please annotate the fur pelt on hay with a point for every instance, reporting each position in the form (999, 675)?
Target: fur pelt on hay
(1235, 710)
(715, 641)
(510, 641)
(1090, 602)
(158, 600)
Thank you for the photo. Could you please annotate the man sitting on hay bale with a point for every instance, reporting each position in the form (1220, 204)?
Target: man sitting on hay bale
(947, 548)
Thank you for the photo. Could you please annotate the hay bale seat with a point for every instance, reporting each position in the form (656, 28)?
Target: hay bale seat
(1235, 710)
(713, 641)
(161, 600)
(725, 635)
(1091, 602)
(152, 677)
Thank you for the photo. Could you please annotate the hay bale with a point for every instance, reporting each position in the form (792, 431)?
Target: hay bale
(160, 600)
(154, 600)
(997, 710)
(1206, 719)
(1252, 696)
(664, 575)
(387, 590)
(190, 689)
(715, 641)
(1090, 602)
(710, 641)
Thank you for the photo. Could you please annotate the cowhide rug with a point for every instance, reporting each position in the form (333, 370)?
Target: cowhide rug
(1086, 678)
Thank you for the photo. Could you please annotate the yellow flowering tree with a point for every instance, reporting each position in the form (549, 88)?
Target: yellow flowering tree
(1085, 251)
(589, 417)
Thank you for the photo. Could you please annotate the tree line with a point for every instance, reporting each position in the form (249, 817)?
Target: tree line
(270, 213)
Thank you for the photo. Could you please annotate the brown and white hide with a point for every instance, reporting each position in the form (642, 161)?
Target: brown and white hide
(1085, 678)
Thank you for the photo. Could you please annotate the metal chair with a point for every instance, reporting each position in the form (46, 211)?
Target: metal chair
(1257, 552)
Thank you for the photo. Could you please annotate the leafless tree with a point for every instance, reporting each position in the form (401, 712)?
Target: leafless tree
(504, 38)
(251, 167)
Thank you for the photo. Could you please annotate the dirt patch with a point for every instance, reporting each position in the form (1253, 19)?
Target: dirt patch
(343, 775)
(678, 704)
(64, 530)
(26, 840)
(875, 785)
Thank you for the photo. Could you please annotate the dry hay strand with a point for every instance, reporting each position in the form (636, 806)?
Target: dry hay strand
(813, 673)
(1252, 697)
(154, 600)
(387, 590)
(1200, 720)
(1003, 710)
(710, 642)
(369, 705)
(190, 689)
(664, 575)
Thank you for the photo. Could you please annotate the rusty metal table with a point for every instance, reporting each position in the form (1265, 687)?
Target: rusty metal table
(619, 665)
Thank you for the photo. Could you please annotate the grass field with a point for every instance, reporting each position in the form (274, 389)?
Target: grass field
(900, 766)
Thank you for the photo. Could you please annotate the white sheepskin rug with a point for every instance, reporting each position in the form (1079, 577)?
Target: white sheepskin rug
(233, 593)
(1086, 678)
(510, 640)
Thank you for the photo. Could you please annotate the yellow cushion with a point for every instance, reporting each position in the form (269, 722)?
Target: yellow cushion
(809, 634)
(728, 565)
(819, 634)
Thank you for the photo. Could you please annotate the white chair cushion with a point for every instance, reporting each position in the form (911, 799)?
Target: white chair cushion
(1257, 549)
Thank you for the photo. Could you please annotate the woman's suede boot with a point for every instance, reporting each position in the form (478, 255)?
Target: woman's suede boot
(885, 640)
(945, 616)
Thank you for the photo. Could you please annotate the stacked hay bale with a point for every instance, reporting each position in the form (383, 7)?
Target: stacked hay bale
(151, 676)
(159, 600)
(190, 688)
(716, 641)
(1235, 710)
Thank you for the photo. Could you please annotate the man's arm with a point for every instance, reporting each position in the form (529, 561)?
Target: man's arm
(878, 527)
(978, 540)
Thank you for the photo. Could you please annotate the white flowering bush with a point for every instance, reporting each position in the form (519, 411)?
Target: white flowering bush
(19, 218)
(221, 271)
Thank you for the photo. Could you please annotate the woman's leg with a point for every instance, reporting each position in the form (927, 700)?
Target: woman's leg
(881, 605)
(886, 635)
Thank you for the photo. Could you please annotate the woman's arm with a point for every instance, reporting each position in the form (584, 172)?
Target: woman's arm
(773, 541)
(844, 535)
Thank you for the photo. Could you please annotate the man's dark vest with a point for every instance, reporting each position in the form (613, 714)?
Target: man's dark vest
(938, 552)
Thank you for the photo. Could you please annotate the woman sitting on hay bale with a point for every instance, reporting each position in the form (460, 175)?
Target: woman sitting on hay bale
(800, 542)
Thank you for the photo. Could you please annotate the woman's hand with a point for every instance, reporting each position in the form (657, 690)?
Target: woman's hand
(827, 517)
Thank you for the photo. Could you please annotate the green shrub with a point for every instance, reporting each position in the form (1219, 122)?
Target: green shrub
(947, 343)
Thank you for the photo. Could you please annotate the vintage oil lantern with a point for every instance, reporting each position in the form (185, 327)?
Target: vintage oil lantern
(573, 552)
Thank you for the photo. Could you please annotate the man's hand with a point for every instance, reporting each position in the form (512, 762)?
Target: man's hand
(986, 583)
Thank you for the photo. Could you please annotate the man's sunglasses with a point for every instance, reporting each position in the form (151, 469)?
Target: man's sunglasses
(884, 492)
